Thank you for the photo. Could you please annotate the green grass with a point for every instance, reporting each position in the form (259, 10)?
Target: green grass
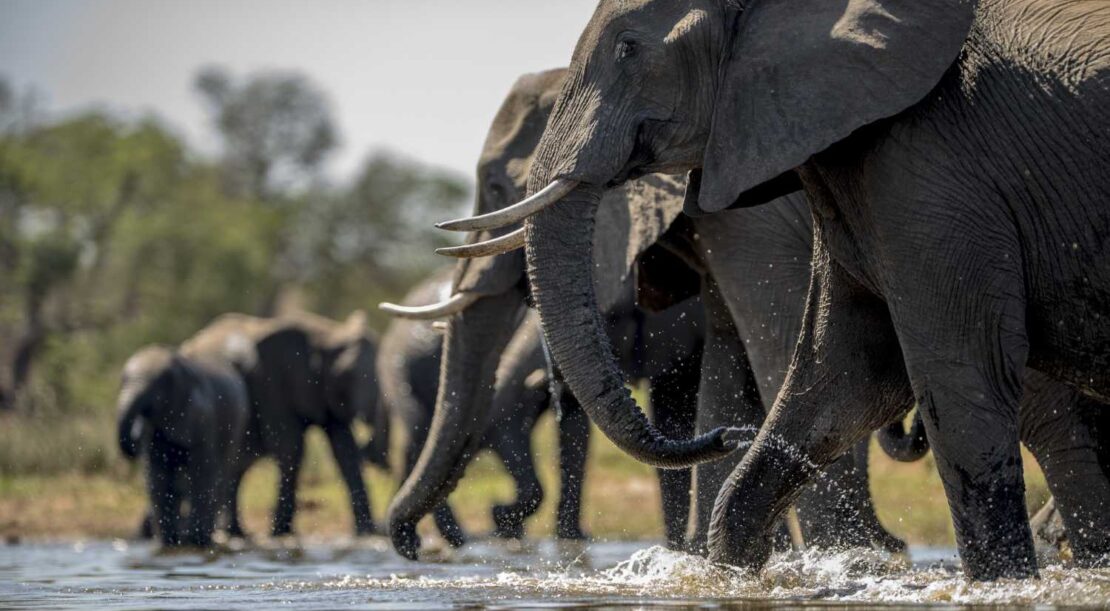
(65, 480)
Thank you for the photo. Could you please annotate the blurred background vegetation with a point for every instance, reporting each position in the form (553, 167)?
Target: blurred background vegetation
(114, 234)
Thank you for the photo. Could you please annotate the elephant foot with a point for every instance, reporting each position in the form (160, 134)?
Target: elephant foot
(507, 523)
(146, 529)
(453, 536)
(571, 532)
(888, 542)
(235, 531)
(405, 540)
(365, 528)
(282, 530)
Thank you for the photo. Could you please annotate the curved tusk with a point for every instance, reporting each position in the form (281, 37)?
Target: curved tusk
(457, 303)
(550, 194)
(440, 326)
(496, 246)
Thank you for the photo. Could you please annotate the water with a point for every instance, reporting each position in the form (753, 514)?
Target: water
(496, 575)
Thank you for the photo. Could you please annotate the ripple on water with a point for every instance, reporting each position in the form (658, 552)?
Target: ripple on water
(490, 574)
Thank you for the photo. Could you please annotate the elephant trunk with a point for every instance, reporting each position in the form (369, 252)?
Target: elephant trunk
(560, 260)
(472, 348)
(130, 423)
(903, 446)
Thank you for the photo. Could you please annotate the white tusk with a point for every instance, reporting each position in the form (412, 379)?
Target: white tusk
(550, 194)
(457, 303)
(496, 246)
(439, 326)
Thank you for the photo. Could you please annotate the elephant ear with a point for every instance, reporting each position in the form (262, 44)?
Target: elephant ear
(628, 222)
(800, 76)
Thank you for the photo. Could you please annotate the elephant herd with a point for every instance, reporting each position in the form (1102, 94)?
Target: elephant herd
(796, 221)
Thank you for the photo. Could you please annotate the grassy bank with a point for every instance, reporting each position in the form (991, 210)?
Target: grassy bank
(66, 481)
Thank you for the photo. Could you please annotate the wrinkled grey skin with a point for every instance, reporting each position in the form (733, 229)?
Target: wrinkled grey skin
(758, 260)
(954, 155)
(311, 371)
(186, 413)
(839, 512)
(476, 338)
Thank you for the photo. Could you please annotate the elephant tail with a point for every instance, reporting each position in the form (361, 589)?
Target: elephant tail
(903, 446)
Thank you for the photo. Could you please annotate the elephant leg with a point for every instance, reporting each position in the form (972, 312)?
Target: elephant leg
(347, 456)
(965, 346)
(446, 522)
(1055, 427)
(574, 444)
(674, 404)
(205, 492)
(515, 449)
(837, 511)
(234, 523)
(727, 397)
(289, 457)
(146, 527)
(165, 497)
(847, 379)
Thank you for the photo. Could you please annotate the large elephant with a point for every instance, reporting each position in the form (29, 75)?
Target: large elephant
(187, 412)
(310, 371)
(954, 154)
(633, 218)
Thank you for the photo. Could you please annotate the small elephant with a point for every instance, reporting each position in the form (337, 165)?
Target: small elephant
(310, 371)
(187, 414)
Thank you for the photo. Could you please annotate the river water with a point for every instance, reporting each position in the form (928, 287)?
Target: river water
(496, 575)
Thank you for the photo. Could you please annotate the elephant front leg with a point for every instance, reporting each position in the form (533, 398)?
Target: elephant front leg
(205, 492)
(846, 380)
(165, 498)
(837, 511)
(1062, 429)
(727, 397)
(289, 457)
(962, 323)
(674, 404)
(574, 444)
(347, 456)
(515, 449)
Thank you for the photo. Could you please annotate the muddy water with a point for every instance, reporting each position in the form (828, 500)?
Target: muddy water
(493, 575)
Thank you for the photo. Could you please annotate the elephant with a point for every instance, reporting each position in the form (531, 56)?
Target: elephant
(187, 412)
(953, 156)
(310, 371)
(489, 292)
(408, 371)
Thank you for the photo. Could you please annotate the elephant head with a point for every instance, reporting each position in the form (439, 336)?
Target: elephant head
(154, 393)
(488, 299)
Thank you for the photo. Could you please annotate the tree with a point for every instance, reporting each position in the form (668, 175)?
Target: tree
(276, 129)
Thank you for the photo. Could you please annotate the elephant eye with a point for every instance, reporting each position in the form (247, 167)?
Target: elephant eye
(626, 49)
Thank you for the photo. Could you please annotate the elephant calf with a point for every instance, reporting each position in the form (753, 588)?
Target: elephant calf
(310, 371)
(187, 413)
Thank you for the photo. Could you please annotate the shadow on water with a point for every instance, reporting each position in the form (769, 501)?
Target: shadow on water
(497, 575)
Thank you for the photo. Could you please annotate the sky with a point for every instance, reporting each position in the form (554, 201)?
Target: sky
(419, 77)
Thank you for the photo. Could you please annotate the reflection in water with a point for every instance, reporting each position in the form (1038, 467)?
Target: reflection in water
(497, 575)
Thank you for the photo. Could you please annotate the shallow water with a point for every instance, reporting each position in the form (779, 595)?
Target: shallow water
(496, 575)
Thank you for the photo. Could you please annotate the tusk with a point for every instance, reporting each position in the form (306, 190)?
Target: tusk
(550, 194)
(457, 303)
(439, 326)
(506, 243)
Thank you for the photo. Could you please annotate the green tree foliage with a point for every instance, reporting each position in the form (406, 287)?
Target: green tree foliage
(113, 234)
(276, 128)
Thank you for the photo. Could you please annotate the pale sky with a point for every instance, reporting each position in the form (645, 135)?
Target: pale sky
(420, 77)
